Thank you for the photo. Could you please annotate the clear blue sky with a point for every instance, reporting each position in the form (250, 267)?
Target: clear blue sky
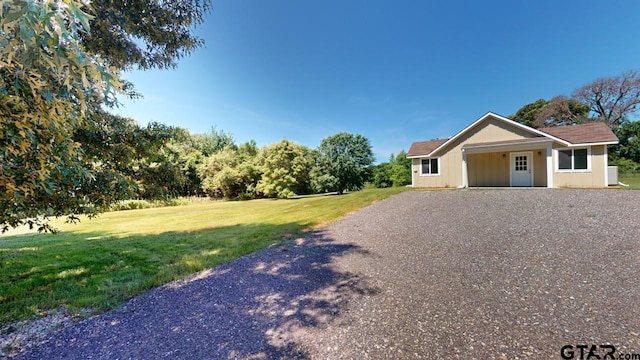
(393, 71)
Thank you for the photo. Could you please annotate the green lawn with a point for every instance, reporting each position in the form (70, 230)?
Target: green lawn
(633, 180)
(99, 263)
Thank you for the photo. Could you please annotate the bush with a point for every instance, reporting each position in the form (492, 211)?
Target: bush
(626, 166)
(147, 204)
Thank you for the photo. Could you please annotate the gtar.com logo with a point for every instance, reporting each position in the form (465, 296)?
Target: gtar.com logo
(588, 352)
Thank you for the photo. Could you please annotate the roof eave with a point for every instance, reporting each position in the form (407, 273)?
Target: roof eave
(595, 143)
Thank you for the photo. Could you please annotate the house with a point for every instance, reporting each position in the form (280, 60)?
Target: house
(496, 151)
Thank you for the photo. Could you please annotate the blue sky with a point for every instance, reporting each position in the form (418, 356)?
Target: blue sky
(393, 71)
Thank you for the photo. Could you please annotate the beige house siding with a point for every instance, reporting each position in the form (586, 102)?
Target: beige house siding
(451, 156)
(491, 169)
(494, 130)
(594, 178)
(446, 178)
(540, 167)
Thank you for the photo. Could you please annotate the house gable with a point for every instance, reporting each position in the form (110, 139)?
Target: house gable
(490, 128)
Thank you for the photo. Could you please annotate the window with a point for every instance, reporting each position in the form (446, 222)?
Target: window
(573, 159)
(430, 166)
(521, 163)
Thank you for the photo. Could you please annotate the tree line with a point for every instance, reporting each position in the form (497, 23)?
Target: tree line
(612, 100)
(160, 162)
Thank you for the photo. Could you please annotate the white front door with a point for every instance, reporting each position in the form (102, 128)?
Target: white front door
(522, 169)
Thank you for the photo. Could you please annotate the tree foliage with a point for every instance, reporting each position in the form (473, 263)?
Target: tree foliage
(612, 99)
(558, 111)
(231, 174)
(527, 114)
(60, 63)
(214, 141)
(400, 170)
(47, 85)
(144, 33)
(285, 169)
(382, 175)
(396, 172)
(629, 146)
(342, 163)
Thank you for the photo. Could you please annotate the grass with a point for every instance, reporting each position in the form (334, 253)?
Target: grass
(99, 263)
(633, 180)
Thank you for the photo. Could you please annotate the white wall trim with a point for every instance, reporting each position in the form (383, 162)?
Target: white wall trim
(549, 166)
(465, 176)
(606, 166)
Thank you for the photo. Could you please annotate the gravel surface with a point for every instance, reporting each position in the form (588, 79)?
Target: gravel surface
(471, 274)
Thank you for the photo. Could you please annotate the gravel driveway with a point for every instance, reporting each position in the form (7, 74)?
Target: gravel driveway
(472, 274)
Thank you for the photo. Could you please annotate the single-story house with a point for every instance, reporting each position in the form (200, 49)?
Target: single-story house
(496, 151)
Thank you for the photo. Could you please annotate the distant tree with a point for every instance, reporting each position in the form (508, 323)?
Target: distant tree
(612, 99)
(560, 111)
(285, 169)
(629, 146)
(189, 158)
(527, 114)
(214, 141)
(382, 175)
(342, 162)
(400, 170)
(230, 174)
(248, 150)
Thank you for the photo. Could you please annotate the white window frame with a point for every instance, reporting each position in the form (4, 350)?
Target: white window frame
(573, 169)
(430, 174)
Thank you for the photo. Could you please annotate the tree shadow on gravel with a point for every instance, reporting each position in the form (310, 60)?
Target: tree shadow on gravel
(255, 307)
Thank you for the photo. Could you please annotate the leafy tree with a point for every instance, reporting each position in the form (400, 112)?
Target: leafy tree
(47, 85)
(214, 141)
(527, 114)
(231, 174)
(629, 146)
(144, 33)
(285, 169)
(382, 175)
(132, 156)
(342, 162)
(248, 150)
(612, 99)
(400, 169)
(558, 111)
(188, 158)
(54, 73)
